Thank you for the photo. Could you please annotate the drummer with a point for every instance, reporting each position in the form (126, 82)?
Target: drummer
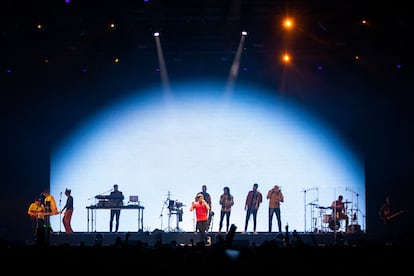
(339, 210)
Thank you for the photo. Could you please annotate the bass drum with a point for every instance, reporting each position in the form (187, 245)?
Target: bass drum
(334, 225)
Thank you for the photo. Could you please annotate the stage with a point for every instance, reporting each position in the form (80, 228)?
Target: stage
(157, 237)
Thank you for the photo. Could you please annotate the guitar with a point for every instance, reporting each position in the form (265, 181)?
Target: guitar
(42, 215)
(386, 219)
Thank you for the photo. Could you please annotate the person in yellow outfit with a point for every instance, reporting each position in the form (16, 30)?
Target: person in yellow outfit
(51, 209)
(49, 203)
(275, 197)
(36, 214)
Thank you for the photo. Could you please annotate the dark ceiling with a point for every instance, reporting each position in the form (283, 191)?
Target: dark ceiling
(78, 33)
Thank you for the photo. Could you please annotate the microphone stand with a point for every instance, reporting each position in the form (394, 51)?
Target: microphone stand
(60, 213)
(162, 210)
(304, 203)
(357, 200)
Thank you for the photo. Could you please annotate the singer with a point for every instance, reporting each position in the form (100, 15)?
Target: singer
(226, 201)
(275, 197)
(67, 211)
(201, 208)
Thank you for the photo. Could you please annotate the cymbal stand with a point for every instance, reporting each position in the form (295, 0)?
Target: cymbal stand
(357, 208)
(305, 205)
(321, 213)
(162, 211)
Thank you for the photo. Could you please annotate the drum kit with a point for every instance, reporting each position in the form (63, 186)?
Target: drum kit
(174, 207)
(329, 222)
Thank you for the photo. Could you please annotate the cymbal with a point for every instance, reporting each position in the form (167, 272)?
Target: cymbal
(347, 202)
(313, 204)
(322, 207)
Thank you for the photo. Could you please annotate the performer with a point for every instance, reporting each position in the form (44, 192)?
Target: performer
(36, 214)
(387, 214)
(339, 210)
(115, 199)
(253, 200)
(226, 201)
(385, 210)
(51, 209)
(275, 197)
(68, 211)
(49, 203)
(207, 198)
(201, 208)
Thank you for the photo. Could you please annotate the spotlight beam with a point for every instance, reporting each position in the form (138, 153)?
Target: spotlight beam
(235, 67)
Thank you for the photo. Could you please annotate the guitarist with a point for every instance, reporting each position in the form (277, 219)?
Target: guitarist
(385, 211)
(386, 214)
(36, 214)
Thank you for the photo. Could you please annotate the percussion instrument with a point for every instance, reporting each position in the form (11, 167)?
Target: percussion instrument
(334, 224)
(327, 218)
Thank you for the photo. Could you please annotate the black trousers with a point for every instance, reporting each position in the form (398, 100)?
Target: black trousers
(115, 213)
